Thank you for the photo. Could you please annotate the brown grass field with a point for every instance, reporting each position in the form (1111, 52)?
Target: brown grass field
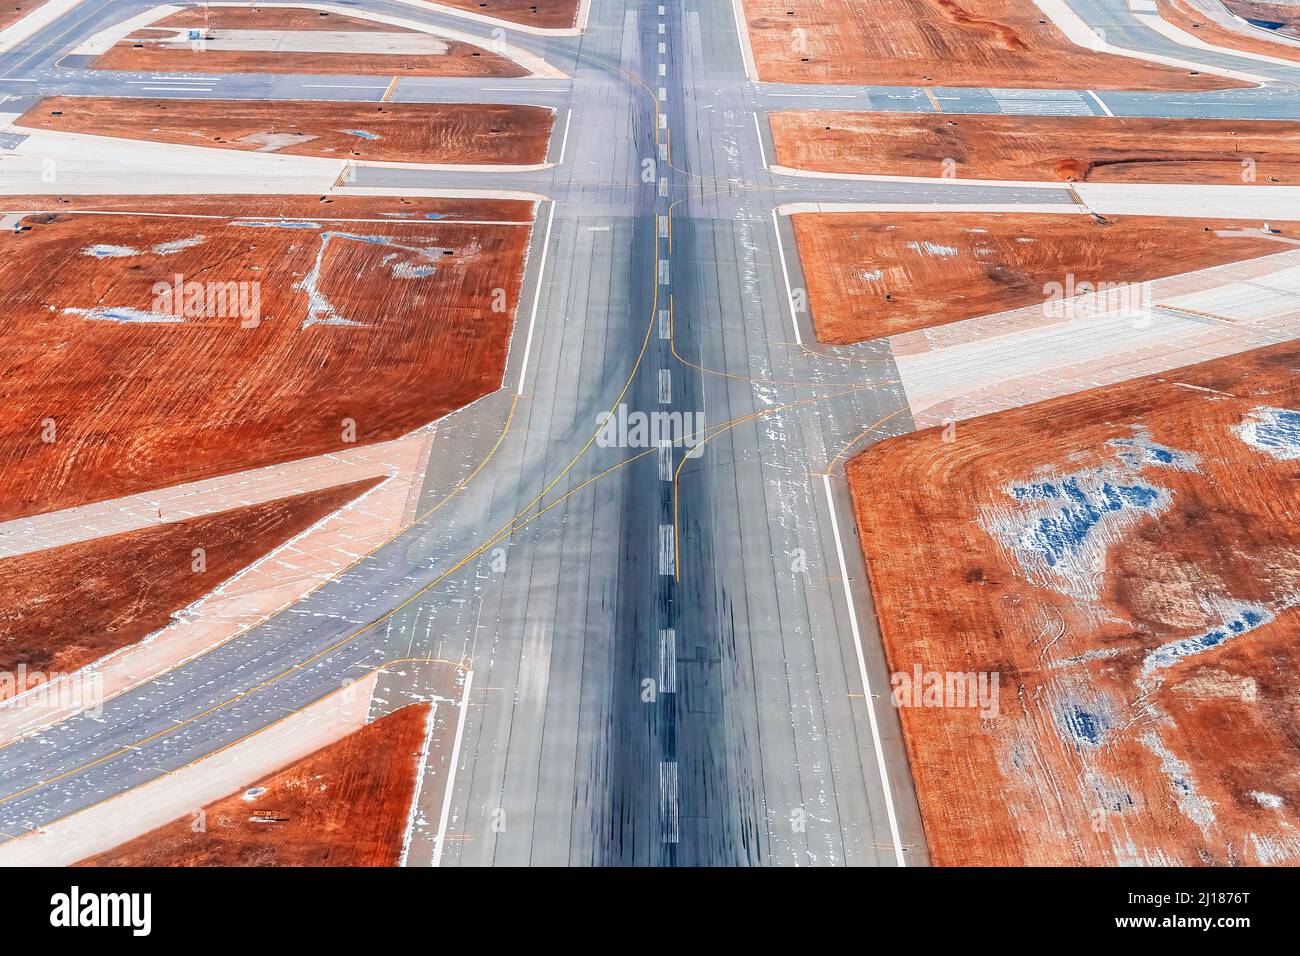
(1093, 149)
(66, 607)
(998, 43)
(1127, 561)
(1286, 14)
(404, 132)
(344, 805)
(548, 14)
(365, 318)
(871, 275)
(1191, 20)
(142, 51)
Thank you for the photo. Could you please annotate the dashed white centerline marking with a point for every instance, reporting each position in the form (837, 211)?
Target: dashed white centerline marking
(668, 832)
(663, 272)
(866, 685)
(665, 325)
(668, 660)
(665, 460)
(667, 553)
(665, 386)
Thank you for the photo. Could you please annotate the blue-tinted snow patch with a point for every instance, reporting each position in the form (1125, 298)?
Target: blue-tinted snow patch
(1084, 726)
(1274, 431)
(1238, 620)
(123, 314)
(1082, 506)
(1140, 452)
(405, 270)
(106, 251)
(1060, 527)
(276, 223)
(364, 134)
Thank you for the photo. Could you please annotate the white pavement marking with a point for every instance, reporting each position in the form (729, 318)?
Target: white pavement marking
(785, 272)
(1097, 99)
(421, 769)
(537, 299)
(665, 386)
(866, 684)
(669, 831)
(564, 143)
(742, 36)
(668, 660)
(665, 460)
(667, 552)
(762, 150)
(441, 839)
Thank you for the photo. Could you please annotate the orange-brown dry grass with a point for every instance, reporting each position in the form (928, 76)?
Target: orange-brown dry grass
(999, 43)
(344, 805)
(1106, 149)
(1191, 20)
(407, 132)
(875, 274)
(549, 14)
(142, 50)
(1100, 753)
(146, 404)
(11, 11)
(66, 607)
(1286, 14)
